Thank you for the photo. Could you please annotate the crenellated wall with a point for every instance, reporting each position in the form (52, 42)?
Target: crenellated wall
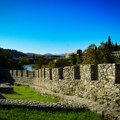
(97, 82)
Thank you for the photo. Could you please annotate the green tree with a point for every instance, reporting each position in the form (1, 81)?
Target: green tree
(39, 61)
(51, 64)
(105, 52)
(73, 59)
(24, 60)
(79, 56)
(62, 62)
(109, 43)
(116, 47)
(79, 53)
(7, 62)
(90, 55)
(102, 54)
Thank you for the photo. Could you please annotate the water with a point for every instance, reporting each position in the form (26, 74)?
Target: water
(29, 67)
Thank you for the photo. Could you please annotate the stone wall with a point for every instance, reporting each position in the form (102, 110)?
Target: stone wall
(43, 105)
(100, 83)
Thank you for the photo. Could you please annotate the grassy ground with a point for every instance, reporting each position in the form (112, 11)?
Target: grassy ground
(15, 113)
(26, 93)
(23, 113)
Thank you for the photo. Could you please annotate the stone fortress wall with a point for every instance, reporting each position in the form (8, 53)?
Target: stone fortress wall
(100, 83)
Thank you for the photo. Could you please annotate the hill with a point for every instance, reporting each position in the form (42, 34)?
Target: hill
(15, 54)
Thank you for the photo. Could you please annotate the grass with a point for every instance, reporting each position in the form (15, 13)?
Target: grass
(26, 93)
(27, 113)
(15, 113)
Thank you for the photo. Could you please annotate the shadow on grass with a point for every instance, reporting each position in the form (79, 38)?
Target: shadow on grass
(15, 93)
(50, 111)
(45, 109)
(12, 92)
(1, 97)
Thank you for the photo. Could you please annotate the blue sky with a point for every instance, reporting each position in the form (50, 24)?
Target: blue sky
(57, 26)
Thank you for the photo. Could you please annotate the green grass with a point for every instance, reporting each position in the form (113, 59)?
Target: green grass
(26, 93)
(15, 113)
(26, 113)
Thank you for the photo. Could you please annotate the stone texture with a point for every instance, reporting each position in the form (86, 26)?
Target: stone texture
(98, 83)
(43, 104)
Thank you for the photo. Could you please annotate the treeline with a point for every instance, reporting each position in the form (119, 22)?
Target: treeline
(15, 53)
(92, 55)
(101, 54)
(74, 59)
(7, 62)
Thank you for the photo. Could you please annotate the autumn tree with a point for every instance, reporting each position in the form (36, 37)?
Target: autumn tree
(90, 55)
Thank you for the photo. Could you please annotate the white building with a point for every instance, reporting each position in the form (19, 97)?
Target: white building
(116, 54)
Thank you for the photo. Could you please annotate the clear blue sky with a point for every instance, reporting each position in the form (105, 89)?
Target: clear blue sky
(57, 26)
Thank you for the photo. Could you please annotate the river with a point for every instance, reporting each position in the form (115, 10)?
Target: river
(29, 67)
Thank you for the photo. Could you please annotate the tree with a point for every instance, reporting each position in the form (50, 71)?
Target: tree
(51, 64)
(102, 54)
(24, 60)
(79, 53)
(39, 61)
(62, 62)
(79, 56)
(109, 41)
(116, 47)
(105, 52)
(73, 59)
(90, 55)
(6, 62)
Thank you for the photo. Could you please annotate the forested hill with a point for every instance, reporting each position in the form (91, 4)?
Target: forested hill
(7, 61)
(15, 54)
